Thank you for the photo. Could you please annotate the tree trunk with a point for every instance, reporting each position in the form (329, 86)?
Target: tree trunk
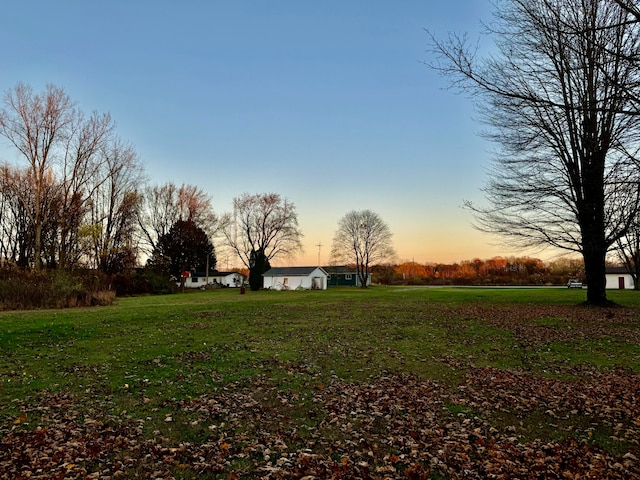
(37, 246)
(362, 270)
(594, 265)
(594, 250)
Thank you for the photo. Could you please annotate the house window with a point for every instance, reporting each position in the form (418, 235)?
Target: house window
(285, 281)
(348, 276)
(194, 279)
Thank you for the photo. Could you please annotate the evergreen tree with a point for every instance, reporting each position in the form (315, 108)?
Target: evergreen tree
(258, 264)
(185, 247)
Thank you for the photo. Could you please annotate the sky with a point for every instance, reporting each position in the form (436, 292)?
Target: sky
(330, 104)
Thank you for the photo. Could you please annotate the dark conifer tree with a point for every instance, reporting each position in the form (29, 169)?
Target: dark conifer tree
(258, 263)
(185, 247)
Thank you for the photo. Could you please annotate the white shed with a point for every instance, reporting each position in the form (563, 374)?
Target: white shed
(619, 278)
(295, 278)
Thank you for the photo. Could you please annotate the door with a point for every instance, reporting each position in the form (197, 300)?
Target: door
(621, 283)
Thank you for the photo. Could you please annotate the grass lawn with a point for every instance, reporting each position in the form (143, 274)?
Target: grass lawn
(397, 382)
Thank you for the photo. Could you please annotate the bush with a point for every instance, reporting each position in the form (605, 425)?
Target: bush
(21, 289)
(154, 281)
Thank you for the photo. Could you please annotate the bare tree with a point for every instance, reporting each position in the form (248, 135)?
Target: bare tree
(36, 124)
(166, 204)
(82, 173)
(158, 213)
(628, 252)
(631, 7)
(114, 208)
(194, 205)
(67, 166)
(16, 194)
(559, 100)
(261, 228)
(364, 239)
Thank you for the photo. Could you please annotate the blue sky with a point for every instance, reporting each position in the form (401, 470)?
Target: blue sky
(327, 103)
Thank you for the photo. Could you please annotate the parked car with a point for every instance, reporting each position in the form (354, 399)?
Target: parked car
(573, 283)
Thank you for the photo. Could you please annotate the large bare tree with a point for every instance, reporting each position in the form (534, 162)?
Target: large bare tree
(261, 228)
(166, 204)
(82, 173)
(36, 125)
(559, 96)
(362, 239)
(16, 229)
(114, 208)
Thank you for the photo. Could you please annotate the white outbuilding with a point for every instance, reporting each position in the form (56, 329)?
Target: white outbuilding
(619, 278)
(295, 278)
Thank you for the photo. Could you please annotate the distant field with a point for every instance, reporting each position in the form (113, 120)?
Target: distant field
(397, 382)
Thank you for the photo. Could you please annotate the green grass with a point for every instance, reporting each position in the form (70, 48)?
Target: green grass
(144, 355)
(350, 333)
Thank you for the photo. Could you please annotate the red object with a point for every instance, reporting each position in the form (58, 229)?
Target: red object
(186, 274)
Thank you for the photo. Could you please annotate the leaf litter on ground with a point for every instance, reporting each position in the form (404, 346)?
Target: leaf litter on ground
(490, 423)
(393, 426)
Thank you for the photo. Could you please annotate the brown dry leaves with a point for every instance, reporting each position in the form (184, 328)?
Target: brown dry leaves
(390, 427)
(578, 323)
(495, 423)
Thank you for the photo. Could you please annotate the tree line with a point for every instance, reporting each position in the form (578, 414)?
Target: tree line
(559, 96)
(72, 197)
(492, 271)
(78, 199)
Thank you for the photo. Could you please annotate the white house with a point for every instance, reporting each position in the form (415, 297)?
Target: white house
(293, 278)
(223, 279)
(618, 278)
(227, 279)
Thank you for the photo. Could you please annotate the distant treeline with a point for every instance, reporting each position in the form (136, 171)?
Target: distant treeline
(493, 271)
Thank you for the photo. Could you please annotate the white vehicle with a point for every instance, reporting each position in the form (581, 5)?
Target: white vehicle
(572, 283)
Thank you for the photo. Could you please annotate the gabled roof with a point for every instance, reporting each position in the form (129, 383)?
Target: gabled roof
(617, 270)
(291, 271)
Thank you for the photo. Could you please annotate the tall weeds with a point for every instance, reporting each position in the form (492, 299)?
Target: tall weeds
(22, 290)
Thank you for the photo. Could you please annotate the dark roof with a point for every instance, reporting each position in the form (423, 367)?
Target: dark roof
(214, 274)
(614, 270)
(341, 270)
(290, 271)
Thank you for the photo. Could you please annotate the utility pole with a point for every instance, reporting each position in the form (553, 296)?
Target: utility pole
(319, 245)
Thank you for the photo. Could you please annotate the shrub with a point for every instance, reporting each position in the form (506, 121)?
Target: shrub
(21, 289)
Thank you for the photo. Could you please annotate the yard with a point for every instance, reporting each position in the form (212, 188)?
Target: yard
(344, 383)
